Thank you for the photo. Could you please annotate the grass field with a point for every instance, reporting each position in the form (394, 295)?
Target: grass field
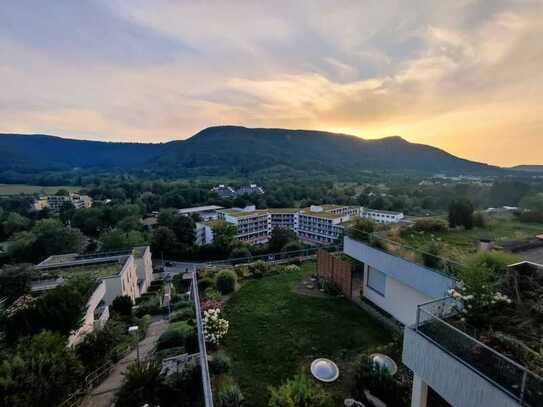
(276, 333)
(460, 243)
(15, 189)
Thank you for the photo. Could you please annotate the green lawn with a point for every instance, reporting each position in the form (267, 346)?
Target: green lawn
(15, 189)
(275, 333)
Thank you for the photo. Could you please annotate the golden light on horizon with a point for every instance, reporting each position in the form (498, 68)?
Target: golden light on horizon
(461, 76)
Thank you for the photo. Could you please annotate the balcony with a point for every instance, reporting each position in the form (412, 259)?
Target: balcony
(463, 370)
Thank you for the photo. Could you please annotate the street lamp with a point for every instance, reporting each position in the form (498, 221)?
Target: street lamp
(133, 330)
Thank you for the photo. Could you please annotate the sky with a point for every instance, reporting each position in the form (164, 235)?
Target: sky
(462, 75)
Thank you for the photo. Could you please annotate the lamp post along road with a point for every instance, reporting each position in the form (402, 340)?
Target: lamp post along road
(133, 330)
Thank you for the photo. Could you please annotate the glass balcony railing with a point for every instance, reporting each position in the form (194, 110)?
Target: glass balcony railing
(514, 379)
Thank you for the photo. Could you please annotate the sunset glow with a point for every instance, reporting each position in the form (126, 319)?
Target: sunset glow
(465, 76)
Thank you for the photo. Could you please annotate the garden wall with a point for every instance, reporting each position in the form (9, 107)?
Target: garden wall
(334, 269)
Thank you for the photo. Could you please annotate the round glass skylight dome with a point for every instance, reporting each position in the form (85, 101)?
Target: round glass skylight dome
(384, 362)
(324, 370)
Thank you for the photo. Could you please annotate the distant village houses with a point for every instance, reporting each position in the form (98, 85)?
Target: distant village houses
(226, 192)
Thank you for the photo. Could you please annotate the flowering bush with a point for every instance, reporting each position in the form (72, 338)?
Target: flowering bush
(209, 303)
(478, 288)
(292, 268)
(215, 327)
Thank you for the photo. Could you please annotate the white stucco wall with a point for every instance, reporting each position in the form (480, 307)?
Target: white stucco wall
(400, 300)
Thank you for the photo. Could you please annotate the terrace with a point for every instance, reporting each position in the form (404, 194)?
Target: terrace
(481, 348)
(275, 332)
(460, 367)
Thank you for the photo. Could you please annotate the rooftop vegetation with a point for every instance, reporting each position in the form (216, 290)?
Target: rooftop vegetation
(275, 333)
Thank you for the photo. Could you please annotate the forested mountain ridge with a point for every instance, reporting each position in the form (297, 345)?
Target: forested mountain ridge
(232, 149)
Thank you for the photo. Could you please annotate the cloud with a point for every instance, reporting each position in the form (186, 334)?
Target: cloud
(460, 75)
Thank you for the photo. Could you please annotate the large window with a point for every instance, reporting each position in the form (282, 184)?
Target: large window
(376, 280)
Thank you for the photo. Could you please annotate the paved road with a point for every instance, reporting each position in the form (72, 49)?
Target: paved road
(103, 395)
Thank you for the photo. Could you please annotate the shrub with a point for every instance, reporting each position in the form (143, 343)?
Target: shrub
(242, 272)
(150, 306)
(241, 252)
(180, 284)
(479, 220)
(230, 396)
(361, 229)
(531, 217)
(380, 384)
(291, 268)
(176, 335)
(331, 288)
(215, 327)
(156, 285)
(212, 294)
(377, 243)
(431, 225)
(205, 283)
(122, 305)
(220, 363)
(179, 305)
(299, 391)
(182, 315)
(142, 385)
(259, 268)
(430, 255)
(226, 282)
(208, 304)
(292, 246)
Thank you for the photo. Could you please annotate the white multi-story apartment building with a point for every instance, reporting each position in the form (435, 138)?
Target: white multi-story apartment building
(253, 225)
(284, 218)
(55, 202)
(323, 224)
(381, 216)
(316, 224)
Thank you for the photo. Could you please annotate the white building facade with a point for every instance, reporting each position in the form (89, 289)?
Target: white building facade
(316, 224)
(380, 216)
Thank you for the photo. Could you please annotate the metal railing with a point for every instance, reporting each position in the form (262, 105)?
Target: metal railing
(509, 376)
(206, 380)
(274, 257)
(406, 252)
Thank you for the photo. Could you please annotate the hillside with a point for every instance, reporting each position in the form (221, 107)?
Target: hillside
(41, 152)
(230, 149)
(528, 168)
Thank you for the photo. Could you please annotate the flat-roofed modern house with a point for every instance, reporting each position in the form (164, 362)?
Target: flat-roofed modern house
(126, 272)
(395, 285)
(122, 273)
(448, 364)
(381, 216)
(323, 223)
(208, 212)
